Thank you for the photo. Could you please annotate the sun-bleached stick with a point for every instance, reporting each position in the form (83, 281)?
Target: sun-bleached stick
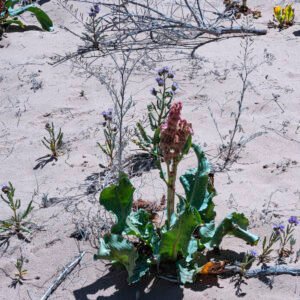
(67, 270)
(272, 270)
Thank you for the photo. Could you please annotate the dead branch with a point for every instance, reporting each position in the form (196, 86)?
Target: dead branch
(254, 273)
(156, 24)
(267, 271)
(67, 270)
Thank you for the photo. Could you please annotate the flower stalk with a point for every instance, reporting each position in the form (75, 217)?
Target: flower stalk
(174, 134)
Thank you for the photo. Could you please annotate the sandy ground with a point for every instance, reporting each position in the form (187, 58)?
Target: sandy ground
(264, 183)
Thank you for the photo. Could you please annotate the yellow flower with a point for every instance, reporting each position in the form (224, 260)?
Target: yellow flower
(277, 10)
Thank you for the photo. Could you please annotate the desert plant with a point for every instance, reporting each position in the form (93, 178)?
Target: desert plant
(157, 111)
(16, 224)
(284, 15)
(268, 244)
(9, 14)
(21, 272)
(189, 231)
(110, 135)
(287, 237)
(283, 235)
(55, 142)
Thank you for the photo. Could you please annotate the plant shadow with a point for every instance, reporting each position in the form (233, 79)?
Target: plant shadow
(14, 28)
(43, 161)
(114, 286)
(296, 33)
(139, 163)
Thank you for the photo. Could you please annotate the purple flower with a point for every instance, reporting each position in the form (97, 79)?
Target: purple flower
(153, 92)
(171, 75)
(278, 228)
(5, 188)
(253, 253)
(160, 81)
(107, 115)
(95, 9)
(164, 70)
(174, 86)
(293, 220)
(92, 13)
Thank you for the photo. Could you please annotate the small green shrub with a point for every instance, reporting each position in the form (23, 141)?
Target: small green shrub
(284, 15)
(16, 224)
(54, 142)
(282, 235)
(21, 272)
(190, 229)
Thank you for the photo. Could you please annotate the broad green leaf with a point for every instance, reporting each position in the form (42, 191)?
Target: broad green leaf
(118, 199)
(117, 249)
(11, 3)
(140, 225)
(199, 191)
(176, 240)
(234, 224)
(41, 16)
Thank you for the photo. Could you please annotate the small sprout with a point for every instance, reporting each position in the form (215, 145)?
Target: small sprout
(55, 142)
(110, 135)
(21, 272)
(248, 260)
(16, 224)
(81, 94)
(267, 248)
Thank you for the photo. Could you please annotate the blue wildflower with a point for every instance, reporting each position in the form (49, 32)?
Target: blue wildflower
(164, 70)
(160, 81)
(95, 9)
(293, 220)
(5, 188)
(278, 228)
(174, 86)
(253, 253)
